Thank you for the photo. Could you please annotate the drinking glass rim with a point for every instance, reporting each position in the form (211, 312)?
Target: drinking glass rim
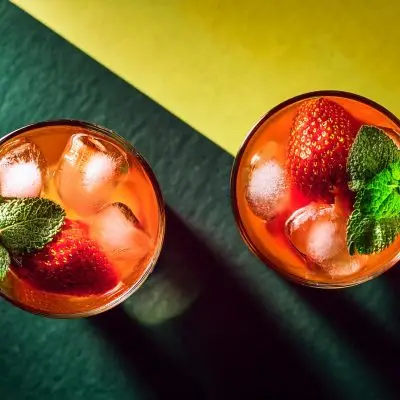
(160, 205)
(235, 169)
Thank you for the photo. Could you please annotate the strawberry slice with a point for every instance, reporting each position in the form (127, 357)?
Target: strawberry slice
(319, 143)
(71, 264)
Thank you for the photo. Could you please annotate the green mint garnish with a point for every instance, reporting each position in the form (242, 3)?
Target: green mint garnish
(371, 153)
(4, 262)
(368, 235)
(381, 196)
(26, 225)
(29, 224)
(374, 169)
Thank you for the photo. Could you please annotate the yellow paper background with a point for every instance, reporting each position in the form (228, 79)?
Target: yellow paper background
(219, 65)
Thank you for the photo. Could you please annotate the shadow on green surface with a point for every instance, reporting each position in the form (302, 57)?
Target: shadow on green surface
(368, 337)
(143, 356)
(231, 343)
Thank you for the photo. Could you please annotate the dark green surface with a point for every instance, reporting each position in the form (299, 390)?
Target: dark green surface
(203, 326)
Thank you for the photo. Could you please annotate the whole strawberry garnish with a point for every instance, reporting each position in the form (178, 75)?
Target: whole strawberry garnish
(71, 263)
(319, 143)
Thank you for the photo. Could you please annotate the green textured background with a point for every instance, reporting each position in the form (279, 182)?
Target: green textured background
(211, 322)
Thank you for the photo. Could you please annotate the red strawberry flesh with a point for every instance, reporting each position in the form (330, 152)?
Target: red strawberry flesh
(319, 143)
(71, 264)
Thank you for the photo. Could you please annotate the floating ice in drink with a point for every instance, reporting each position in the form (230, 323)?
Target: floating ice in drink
(318, 233)
(23, 169)
(267, 189)
(89, 170)
(121, 236)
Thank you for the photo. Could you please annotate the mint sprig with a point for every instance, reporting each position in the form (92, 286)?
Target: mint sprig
(381, 196)
(371, 152)
(27, 225)
(374, 169)
(367, 235)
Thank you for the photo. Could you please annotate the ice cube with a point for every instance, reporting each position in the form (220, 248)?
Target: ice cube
(267, 189)
(89, 170)
(23, 169)
(121, 236)
(318, 232)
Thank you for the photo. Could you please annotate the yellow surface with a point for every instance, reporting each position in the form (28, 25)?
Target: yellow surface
(219, 65)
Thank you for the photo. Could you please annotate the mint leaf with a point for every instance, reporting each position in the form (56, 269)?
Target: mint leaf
(374, 169)
(371, 152)
(4, 262)
(367, 235)
(29, 224)
(381, 196)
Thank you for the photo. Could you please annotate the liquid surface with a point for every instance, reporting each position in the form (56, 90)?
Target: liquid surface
(266, 229)
(121, 210)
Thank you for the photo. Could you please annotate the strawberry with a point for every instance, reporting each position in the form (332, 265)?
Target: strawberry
(319, 143)
(71, 263)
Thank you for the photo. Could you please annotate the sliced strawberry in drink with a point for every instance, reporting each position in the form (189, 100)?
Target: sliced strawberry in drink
(71, 264)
